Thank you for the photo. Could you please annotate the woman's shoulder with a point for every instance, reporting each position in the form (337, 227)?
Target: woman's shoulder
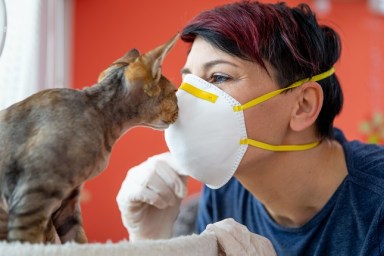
(365, 162)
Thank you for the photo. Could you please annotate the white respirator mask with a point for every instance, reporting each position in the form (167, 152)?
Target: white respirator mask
(209, 138)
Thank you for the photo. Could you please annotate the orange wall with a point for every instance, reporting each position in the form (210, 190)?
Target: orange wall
(105, 30)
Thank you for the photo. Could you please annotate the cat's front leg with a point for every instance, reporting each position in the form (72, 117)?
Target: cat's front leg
(80, 236)
(51, 235)
(68, 221)
(30, 208)
(3, 222)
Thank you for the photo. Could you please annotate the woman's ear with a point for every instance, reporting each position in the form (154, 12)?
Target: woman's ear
(307, 107)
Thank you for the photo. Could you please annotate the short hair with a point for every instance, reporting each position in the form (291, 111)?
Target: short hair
(290, 39)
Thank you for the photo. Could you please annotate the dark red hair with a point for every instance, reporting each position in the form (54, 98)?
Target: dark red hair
(290, 39)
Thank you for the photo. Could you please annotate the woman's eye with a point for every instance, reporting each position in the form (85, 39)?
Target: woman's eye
(218, 78)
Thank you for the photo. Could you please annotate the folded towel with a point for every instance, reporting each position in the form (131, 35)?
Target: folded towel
(204, 244)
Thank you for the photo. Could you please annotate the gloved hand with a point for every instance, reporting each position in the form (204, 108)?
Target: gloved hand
(150, 196)
(235, 239)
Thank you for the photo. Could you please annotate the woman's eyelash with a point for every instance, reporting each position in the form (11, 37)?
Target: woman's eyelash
(219, 78)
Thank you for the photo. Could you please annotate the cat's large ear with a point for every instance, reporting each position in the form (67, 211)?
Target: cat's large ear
(157, 56)
(151, 62)
(127, 58)
(123, 61)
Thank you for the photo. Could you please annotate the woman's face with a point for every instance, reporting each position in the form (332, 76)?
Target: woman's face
(243, 80)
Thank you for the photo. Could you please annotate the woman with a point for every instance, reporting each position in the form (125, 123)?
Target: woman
(257, 105)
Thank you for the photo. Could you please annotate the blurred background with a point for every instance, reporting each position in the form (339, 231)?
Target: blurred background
(67, 43)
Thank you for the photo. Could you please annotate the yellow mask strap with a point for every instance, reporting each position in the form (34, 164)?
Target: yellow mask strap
(267, 96)
(277, 92)
(270, 147)
(204, 95)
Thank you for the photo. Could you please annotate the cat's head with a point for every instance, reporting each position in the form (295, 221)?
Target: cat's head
(151, 92)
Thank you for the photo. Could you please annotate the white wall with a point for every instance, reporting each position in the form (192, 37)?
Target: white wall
(36, 53)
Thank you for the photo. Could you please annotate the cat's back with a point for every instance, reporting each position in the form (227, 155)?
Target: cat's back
(44, 107)
(43, 103)
(49, 112)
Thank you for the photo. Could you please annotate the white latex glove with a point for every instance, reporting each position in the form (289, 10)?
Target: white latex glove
(149, 198)
(235, 239)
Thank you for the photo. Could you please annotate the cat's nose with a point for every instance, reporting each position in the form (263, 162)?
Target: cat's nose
(174, 117)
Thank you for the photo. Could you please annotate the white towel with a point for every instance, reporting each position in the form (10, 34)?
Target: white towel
(192, 245)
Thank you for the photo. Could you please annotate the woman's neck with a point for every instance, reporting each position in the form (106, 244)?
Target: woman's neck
(294, 186)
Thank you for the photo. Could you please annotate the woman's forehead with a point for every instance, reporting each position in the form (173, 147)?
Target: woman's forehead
(203, 53)
(206, 50)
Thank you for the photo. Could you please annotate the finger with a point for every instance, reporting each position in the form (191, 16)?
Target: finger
(157, 184)
(153, 182)
(132, 192)
(143, 179)
(237, 230)
(130, 184)
(252, 243)
(171, 161)
(262, 245)
(122, 195)
(167, 168)
(174, 181)
(151, 196)
(133, 214)
(226, 240)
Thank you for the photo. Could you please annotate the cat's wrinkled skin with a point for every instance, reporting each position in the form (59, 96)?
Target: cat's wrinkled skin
(55, 140)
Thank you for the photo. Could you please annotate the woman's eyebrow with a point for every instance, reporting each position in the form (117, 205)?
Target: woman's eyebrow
(209, 65)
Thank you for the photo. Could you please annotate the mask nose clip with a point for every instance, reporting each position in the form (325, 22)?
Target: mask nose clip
(201, 94)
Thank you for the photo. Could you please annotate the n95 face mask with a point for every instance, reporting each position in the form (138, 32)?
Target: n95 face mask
(209, 138)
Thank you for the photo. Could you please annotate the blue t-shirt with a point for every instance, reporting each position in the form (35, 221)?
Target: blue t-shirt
(351, 223)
